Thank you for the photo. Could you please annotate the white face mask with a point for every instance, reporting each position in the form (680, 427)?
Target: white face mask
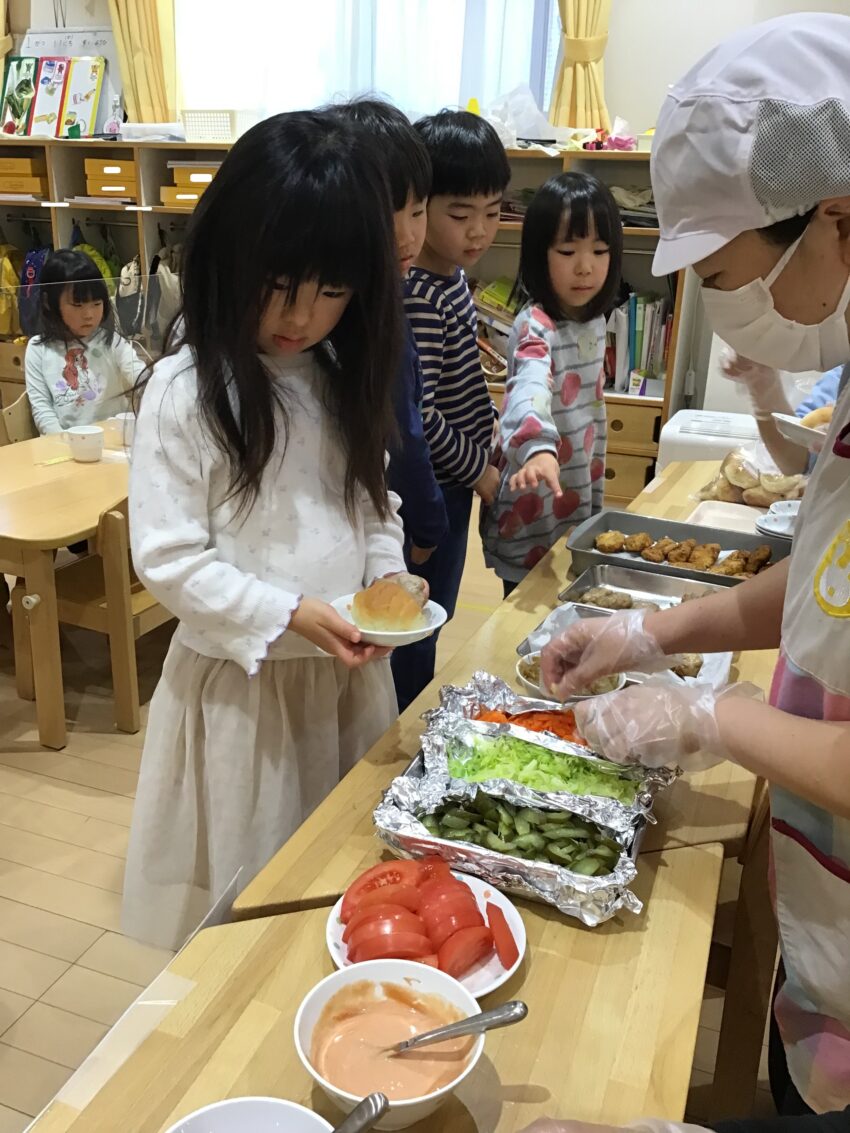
(748, 321)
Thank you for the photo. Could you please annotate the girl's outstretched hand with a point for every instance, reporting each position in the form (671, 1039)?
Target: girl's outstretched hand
(320, 624)
(542, 468)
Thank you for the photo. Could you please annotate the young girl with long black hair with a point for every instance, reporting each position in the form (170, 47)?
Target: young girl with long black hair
(257, 496)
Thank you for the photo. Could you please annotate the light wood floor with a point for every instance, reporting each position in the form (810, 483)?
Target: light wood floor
(66, 972)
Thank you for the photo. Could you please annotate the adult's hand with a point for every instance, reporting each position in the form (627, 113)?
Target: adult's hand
(659, 723)
(596, 647)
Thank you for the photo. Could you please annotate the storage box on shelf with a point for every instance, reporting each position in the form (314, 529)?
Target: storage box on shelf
(634, 423)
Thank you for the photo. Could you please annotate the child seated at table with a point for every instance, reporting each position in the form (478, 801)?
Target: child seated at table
(79, 370)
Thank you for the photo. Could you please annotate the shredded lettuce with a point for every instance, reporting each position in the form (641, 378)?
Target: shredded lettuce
(505, 757)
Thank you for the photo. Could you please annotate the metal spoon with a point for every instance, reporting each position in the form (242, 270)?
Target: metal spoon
(504, 1016)
(364, 1115)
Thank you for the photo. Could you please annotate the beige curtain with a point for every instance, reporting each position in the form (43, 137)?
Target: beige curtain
(578, 97)
(144, 33)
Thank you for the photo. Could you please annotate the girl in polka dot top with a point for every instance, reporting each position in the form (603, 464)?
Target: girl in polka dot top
(553, 430)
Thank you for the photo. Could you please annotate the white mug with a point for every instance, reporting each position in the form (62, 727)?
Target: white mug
(85, 442)
(122, 428)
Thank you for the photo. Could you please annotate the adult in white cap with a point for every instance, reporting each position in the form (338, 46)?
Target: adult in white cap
(751, 174)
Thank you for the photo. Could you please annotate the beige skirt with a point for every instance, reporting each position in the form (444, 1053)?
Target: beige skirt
(231, 767)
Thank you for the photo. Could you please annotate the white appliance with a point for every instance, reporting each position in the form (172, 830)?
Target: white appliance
(696, 434)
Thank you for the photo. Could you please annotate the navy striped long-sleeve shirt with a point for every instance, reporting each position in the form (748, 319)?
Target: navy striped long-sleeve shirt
(456, 410)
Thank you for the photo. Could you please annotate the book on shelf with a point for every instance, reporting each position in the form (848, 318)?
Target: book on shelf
(638, 340)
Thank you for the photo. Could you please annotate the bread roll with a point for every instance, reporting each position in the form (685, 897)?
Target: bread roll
(386, 606)
(818, 417)
(758, 497)
(727, 492)
(739, 471)
(778, 483)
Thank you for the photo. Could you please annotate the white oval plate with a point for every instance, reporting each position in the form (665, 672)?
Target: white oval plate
(434, 612)
(486, 976)
(793, 431)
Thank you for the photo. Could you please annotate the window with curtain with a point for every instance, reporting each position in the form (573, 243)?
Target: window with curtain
(423, 54)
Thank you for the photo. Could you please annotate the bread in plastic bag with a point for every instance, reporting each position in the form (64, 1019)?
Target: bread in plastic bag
(749, 475)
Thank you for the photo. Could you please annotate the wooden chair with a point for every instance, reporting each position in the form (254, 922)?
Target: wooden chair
(101, 593)
(17, 422)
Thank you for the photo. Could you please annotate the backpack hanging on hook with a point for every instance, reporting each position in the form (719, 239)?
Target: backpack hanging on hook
(29, 295)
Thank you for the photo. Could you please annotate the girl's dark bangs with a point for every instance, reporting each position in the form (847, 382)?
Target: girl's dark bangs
(577, 218)
(317, 238)
(87, 290)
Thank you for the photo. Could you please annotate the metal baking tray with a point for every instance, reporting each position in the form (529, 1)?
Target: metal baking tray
(584, 554)
(664, 590)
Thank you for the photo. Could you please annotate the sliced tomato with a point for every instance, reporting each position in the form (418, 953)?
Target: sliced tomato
(441, 929)
(463, 950)
(375, 912)
(380, 876)
(432, 961)
(506, 946)
(430, 869)
(441, 888)
(383, 927)
(395, 946)
(405, 895)
(449, 907)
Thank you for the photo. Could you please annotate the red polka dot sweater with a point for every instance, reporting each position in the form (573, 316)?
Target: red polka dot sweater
(554, 404)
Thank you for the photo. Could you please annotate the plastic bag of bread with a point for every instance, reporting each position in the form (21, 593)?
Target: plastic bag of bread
(749, 476)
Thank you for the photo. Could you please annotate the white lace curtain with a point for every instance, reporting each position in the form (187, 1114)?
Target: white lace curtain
(274, 55)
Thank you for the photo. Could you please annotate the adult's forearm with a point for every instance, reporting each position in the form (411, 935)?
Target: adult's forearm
(790, 458)
(746, 616)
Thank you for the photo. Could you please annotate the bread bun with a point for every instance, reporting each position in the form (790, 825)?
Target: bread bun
(759, 497)
(818, 417)
(739, 471)
(388, 607)
(778, 483)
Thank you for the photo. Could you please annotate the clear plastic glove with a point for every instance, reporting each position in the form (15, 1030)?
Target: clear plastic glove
(763, 383)
(596, 647)
(659, 724)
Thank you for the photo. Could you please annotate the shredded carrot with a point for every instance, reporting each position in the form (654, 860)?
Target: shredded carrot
(561, 724)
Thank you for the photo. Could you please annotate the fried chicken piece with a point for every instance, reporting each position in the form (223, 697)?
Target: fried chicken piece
(734, 564)
(691, 596)
(642, 605)
(689, 666)
(606, 599)
(704, 556)
(611, 542)
(659, 550)
(758, 558)
(682, 553)
(639, 542)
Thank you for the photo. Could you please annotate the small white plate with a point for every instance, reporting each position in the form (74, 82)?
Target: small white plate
(486, 976)
(730, 517)
(780, 519)
(435, 615)
(541, 695)
(798, 434)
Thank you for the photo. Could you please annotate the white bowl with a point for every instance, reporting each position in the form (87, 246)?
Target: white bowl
(259, 1115)
(435, 617)
(412, 976)
(488, 974)
(541, 695)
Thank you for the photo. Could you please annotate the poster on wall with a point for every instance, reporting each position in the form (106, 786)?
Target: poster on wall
(18, 94)
(82, 96)
(49, 94)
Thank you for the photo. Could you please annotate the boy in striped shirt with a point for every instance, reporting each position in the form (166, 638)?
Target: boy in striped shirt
(470, 174)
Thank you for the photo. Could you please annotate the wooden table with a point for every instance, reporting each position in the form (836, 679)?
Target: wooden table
(613, 1015)
(337, 842)
(47, 503)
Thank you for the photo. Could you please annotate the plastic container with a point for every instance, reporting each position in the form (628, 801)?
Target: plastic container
(217, 125)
